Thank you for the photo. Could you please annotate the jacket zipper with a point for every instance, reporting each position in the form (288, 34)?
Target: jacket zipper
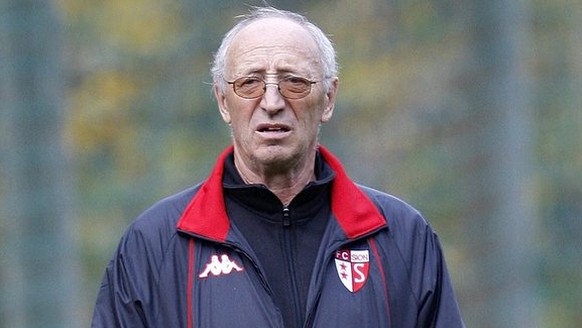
(288, 246)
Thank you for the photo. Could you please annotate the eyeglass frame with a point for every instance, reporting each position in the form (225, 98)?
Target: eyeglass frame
(278, 84)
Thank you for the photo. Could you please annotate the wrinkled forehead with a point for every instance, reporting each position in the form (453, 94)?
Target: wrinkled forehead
(271, 42)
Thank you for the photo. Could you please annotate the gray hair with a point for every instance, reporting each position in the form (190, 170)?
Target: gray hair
(326, 50)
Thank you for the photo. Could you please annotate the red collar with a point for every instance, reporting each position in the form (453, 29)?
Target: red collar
(206, 215)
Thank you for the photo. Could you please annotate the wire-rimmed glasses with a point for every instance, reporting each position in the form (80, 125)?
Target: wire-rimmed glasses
(290, 87)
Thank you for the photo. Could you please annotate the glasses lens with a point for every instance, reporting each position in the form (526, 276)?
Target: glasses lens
(290, 87)
(293, 87)
(249, 87)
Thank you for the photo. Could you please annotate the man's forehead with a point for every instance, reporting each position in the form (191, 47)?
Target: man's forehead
(271, 42)
(273, 31)
(272, 23)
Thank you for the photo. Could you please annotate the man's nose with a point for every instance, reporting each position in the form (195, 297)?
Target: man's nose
(272, 100)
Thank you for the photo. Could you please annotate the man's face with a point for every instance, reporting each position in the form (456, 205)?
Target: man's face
(272, 132)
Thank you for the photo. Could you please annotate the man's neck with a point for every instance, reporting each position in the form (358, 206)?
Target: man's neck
(285, 184)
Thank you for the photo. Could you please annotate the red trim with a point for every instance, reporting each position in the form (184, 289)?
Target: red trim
(190, 283)
(355, 212)
(372, 243)
(206, 213)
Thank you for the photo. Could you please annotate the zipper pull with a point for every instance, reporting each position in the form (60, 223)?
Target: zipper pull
(286, 217)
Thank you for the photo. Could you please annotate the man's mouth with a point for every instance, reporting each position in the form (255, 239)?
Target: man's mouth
(273, 128)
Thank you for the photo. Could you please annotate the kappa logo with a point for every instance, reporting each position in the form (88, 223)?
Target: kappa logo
(352, 268)
(218, 267)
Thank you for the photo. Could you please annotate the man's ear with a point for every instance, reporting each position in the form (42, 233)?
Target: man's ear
(330, 100)
(221, 101)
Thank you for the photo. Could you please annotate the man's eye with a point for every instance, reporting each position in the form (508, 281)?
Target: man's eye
(296, 84)
(295, 80)
(250, 82)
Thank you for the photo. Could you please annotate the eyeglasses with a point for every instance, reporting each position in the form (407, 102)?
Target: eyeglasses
(290, 87)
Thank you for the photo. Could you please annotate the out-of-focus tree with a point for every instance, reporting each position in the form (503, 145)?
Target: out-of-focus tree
(39, 275)
(558, 74)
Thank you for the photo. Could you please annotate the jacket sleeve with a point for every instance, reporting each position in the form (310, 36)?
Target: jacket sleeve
(129, 294)
(118, 304)
(437, 302)
(125, 295)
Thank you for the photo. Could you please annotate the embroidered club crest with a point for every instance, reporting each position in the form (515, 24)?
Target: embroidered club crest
(352, 268)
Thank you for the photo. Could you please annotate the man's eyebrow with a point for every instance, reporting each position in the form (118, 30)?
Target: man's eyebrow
(263, 72)
(251, 71)
(260, 69)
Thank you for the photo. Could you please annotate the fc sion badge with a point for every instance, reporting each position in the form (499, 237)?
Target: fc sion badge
(352, 268)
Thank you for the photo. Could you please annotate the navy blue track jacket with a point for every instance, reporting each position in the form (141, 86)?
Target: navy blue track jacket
(183, 263)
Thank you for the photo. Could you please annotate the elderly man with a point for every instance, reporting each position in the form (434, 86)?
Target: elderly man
(278, 235)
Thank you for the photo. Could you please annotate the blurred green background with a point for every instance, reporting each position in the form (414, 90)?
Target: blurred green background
(470, 110)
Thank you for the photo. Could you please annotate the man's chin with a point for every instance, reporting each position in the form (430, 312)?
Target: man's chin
(275, 155)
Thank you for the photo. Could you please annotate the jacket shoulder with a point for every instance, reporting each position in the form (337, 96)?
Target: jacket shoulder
(164, 213)
(150, 234)
(400, 216)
